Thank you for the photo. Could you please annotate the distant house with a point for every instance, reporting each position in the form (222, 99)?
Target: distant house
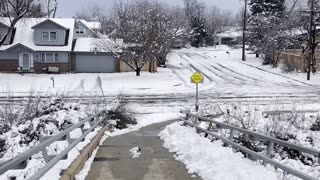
(60, 45)
(228, 38)
(180, 40)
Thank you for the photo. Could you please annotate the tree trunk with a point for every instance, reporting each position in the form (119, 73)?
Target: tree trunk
(138, 70)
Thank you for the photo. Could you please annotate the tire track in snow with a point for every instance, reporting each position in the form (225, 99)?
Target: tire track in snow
(290, 83)
(195, 68)
(224, 76)
(278, 74)
(231, 76)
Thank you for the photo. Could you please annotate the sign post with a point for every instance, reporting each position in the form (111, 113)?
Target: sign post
(52, 79)
(197, 78)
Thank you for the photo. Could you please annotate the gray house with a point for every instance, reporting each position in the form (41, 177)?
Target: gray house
(48, 44)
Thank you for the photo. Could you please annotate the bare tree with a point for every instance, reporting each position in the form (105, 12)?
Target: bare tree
(147, 29)
(14, 10)
(51, 7)
(97, 12)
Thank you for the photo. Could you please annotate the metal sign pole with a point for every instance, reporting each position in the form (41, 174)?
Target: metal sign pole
(197, 97)
(197, 78)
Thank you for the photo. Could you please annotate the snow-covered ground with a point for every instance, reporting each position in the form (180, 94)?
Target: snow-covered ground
(225, 76)
(161, 82)
(210, 160)
(224, 73)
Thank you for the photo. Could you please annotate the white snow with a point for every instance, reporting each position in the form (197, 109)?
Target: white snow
(135, 152)
(87, 166)
(91, 24)
(225, 75)
(210, 160)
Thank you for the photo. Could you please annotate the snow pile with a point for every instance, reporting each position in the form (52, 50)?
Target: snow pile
(135, 152)
(210, 160)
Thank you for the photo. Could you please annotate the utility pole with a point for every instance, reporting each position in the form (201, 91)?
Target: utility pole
(311, 34)
(244, 31)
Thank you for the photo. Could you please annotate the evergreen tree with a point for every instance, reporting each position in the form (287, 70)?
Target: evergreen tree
(266, 28)
(198, 32)
(267, 7)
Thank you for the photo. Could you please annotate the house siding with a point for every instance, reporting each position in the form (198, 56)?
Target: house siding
(49, 26)
(61, 37)
(88, 33)
(8, 56)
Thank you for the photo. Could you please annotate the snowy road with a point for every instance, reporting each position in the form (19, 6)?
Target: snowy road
(226, 74)
(227, 79)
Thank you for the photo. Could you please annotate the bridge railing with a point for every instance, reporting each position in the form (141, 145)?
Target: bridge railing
(20, 162)
(256, 136)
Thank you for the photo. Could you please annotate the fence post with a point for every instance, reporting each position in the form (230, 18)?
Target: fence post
(187, 115)
(269, 150)
(231, 134)
(209, 128)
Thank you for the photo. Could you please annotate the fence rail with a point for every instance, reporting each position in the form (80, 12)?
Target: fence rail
(271, 141)
(20, 162)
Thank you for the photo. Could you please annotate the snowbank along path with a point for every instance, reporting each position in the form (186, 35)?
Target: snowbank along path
(210, 160)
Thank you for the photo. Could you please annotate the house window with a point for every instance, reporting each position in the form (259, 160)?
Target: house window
(43, 57)
(80, 31)
(53, 36)
(45, 36)
(49, 36)
(49, 57)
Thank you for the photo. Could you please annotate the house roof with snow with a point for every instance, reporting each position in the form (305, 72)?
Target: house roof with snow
(91, 25)
(229, 34)
(24, 34)
(103, 45)
(85, 45)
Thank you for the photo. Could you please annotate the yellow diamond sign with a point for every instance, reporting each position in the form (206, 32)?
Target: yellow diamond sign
(197, 78)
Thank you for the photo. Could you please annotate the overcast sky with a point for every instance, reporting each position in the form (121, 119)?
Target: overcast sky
(68, 8)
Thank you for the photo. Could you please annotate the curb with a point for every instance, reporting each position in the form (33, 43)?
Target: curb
(78, 163)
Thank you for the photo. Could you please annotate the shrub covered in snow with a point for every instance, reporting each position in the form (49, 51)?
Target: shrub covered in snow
(122, 113)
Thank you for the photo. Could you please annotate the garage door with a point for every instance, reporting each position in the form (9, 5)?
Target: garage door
(95, 64)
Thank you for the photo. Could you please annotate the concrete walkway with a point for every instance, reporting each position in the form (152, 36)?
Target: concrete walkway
(114, 161)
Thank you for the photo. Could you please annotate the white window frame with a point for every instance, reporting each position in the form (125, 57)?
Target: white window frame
(49, 37)
(43, 36)
(55, 55)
